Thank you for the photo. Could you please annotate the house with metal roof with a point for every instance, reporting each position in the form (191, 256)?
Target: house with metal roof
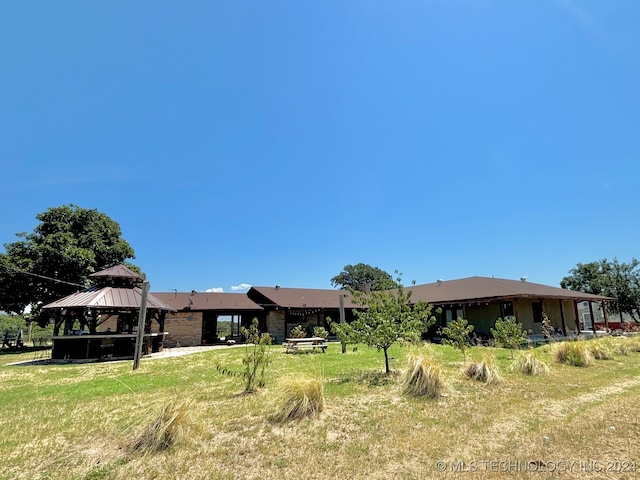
(482, 300)
(285, 308)
(195, 317)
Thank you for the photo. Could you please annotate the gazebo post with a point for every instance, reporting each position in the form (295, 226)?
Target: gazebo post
(161, 319)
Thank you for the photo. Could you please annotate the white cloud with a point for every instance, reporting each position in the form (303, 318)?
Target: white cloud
(242, 286)
(216, 290)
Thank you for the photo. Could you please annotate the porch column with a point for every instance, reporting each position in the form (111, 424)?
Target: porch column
(603, 306)
(564, 327)
(515, 310)
(593, 320)
(575, 310)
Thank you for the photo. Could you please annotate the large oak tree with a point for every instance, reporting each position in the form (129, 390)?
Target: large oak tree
(68, 244)
(363, 278)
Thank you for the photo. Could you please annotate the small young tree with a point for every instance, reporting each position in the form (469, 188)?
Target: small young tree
(547, 329)
(508, 333)
(257, 358)
(386, 317)
(457, 334)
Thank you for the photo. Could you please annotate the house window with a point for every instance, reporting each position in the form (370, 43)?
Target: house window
(507, 311)
(537, 311)
(452, 313)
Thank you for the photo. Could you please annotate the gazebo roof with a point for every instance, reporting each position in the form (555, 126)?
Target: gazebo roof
(109, 298)
(118, 271)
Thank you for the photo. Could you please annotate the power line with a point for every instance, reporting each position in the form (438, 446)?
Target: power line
(17, 270)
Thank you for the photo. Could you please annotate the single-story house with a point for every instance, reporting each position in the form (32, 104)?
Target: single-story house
(481, 300)
(195, 321)
(285, 308)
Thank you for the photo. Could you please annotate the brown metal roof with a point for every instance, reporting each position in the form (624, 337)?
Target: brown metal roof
(109, 297)
(208, 301)
(484, 288)
(118, 271)
(300, 297)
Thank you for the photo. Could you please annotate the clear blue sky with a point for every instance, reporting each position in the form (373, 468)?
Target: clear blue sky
(274, 142)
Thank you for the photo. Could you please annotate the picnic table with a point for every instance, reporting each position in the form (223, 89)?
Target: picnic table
(293, 345)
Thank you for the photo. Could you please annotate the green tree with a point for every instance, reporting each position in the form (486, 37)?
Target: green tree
(386, 317)
(457, 334)
(508, 333)
(68, 244)
(363, 278)
(610, 278)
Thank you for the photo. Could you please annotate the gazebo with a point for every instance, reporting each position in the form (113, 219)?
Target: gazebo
(116, 293)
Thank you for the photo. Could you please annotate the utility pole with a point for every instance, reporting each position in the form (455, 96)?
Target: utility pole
(141, 323)
(342, 320)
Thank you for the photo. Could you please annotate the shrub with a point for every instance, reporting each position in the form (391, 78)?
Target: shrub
(422, 378)
(164, 429)
(484, 371)
(320, 332)
(297, 332)
(530, 364)
(299, 397)
(577, 354)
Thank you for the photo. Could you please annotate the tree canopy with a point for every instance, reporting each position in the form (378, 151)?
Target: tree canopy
(68, 244)
(610, 278)
(387, 317)
(363, 278)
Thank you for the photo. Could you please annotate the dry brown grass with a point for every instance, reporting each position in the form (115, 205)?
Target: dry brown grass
(298, 397)
(577, 354)
(422, 378)
(164, 428)
(366, 431)
(529, 364)
(485, 371)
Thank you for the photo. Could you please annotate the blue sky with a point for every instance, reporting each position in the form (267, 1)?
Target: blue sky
(274, 142)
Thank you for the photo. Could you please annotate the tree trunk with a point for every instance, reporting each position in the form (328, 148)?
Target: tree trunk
(386, 360)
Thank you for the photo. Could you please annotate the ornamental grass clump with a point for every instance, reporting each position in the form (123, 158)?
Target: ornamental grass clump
(484, 371)
(577, 354)
(164, 429)
(601, 350)
(422, 378)
(634, 344)
(530, 364)
(299, 397)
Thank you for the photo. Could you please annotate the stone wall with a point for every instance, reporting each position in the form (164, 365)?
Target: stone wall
(184, 328)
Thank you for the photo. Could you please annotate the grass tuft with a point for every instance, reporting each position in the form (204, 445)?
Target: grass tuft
(299, 397)
(601, 349)
(577, 354)
(530, 364)
(634, 344)
(164, 429)
(422, 378)
(484, 371)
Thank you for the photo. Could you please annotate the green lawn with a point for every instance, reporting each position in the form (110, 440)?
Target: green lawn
(76, 421)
